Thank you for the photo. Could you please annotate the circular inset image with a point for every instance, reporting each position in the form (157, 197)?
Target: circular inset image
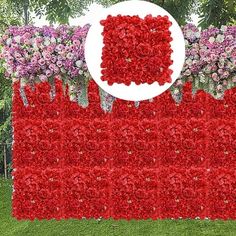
(134, 50)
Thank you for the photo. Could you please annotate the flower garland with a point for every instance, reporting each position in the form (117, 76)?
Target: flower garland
(31, 55)
(210, 60)
(136, 50)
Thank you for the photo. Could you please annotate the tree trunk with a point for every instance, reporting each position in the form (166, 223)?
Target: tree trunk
(26, 12)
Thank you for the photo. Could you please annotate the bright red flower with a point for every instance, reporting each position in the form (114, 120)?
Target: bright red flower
(160, 160)
(136, 50)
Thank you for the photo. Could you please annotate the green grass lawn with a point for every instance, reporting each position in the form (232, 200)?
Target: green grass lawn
(10, 226)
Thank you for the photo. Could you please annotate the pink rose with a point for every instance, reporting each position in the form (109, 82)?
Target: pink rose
(70, 56)
(34, 60)
(59, 63)
(51, 67)
(47, 57)
(53, 59)
(59, 47)
(41, 62)
(49, 73)
(56, 70)
(215, 77)
(43, 78)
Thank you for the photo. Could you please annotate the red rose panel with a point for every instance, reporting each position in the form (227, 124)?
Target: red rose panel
(136, 49)
(161, 160)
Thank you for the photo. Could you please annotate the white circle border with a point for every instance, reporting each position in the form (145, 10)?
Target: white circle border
(94, 45)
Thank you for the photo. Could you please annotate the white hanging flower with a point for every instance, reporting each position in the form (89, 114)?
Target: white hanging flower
(176, 91)
(86, 74)
(186, 42)
(35, 46)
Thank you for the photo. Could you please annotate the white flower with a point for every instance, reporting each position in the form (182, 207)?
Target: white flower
(35, 46)
(176, 91)
(197, 34)
(223, 28)
(186, 42)
(86, 74)
(79, 63)
(189, 62)
(80, 72)
(211, 39)
(220, 38)
(17, 38)
(70, 55)
(46, 42)
(188, 34)
(8, 42)
(53, 40)
(58, 40)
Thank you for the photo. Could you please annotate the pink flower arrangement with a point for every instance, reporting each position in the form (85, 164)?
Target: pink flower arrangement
(33, 53)
(210, 62)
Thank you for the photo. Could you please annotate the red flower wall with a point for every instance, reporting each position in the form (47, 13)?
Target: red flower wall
(161, 160)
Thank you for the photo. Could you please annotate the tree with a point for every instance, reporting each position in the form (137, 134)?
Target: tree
(8, 16)
(179, 9)
(56, 11)
(217, 12)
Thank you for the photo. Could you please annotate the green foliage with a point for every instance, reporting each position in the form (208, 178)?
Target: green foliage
(8, 15)
(212, 12)
(5, 113)
(5, 109)
(179, 9)
(56, 11)
(217, 12)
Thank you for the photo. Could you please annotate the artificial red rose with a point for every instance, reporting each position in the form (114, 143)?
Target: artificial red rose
(144, 49)
(158, 160)
(136, 50)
